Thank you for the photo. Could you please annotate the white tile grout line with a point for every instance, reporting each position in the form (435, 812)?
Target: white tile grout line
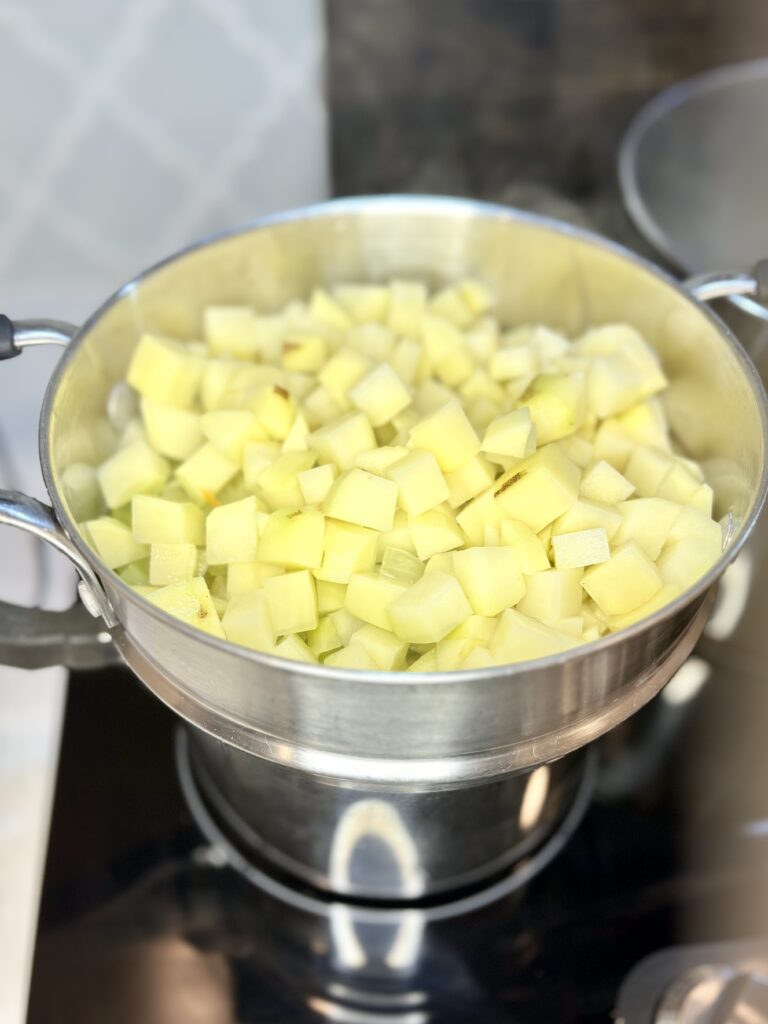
(240, 34)
(253, 125)
(130, 33)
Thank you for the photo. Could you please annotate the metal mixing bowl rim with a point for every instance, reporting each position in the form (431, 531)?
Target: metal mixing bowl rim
(423, 204)
(668, 99)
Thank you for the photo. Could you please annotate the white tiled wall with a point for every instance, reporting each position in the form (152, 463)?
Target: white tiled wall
(128, 128)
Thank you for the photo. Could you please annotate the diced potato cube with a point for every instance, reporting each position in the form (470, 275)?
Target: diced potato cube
(378, 459)
(293, 539)
(552, 595)
(320, 407)
(205, 473)
(482, 511)
(685, 561)
(296, 440)
(114, 542)
(387, 651)
(450, 655)
(511, 434)
(429, 609)
(258, 456)
(573, 625)
(325, 638)
(347, 549)
(176, 433)
(613, 444)
(165, 370)
(407, 358)
(490, 577)
(381, 395)
(342, 372)
(449, 435)
(477, 295)
(646, 423)
(172, 563)
(625, 369)
(158, 521)
(353, 656)
(229, 430)
(291, 602)
(478, 657)
(578, 450)
(232, 533)
(668, 593)
(364, 499)
(557, 405)
(330, 596)
(191, 602)
(585, 547)
(345, 622)
(483, 340)
(245, 576)
(407, 302)
(516, 361)
(296, 649)
(136, 573)
(601, 482)
(304, 353)
(364, 302)
(246, 621)
(589, 515)
(647, 522)
(420, 483)
(401, 565)
(679, 484)
(326, 310)
(479, 628)
(136, 469)
(529, 550)
(628, 579)
(445, 348)
(343, 440)
(432, 395)
(316, 483)
(275, 409)
(369, 596)
(646, 469)
(469, 480)
(434, 532)
(232, 330)
(520, 637)
(703, 499)
(278, 484)
(540, 489)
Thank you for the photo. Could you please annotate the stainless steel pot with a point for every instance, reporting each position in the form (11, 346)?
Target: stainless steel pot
(316, 761)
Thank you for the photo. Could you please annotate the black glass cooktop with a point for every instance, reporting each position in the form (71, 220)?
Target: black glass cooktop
(143, 921)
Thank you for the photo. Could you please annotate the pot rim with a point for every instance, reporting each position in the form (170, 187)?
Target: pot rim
(421, 204)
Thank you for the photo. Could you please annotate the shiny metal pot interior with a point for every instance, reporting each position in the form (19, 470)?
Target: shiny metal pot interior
(406, 737)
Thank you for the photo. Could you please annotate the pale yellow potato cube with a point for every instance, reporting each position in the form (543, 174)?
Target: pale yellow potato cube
(479, 628)
(320, 407)
(481, 385)
(375, 341)
(628, 579)
(113, 541)
(441, 562)
(647, 424)
(381, 395)
(434, 532)
(451, 655)
(205, 473)
(191, 602)
(364, 302)
(342, 371)
(172, 563)
(258, 456)
(613, 444)
(490, 577)
(540, 489)
(679, 484)
(426, 663)
(668, 593)
(552, 595)
(407, 358)
(345, 622)
(354, 656)
(330, 596)
(449, 435)
(176, 433)
(378, 459)
(482, 511)
(291, 602)
(304, 353)
(243, 577)
(482, 340)
(431, 395)
(326, 310)
(343, 440)
(585, 547)
(316, 483)
(293, 539)
(511, 434)
(421, 485)
(685, 561)
(347, 549)
(573, 625)
(296, 649)
(135, 469)
(601, 482)
(407, 302)
(232, 533)
(165, 370)
(325, 638)
(229, 430)
(449, 304)
(232, 330)
(469, 480)
(296, 440)
(445, 348)
(512, 362)
(275, 409)
(158, 521)
(624, 369)
(370, 595)
(477, 295)
(589, 515)
(387, 651)
(278, 484)
(703, 499)
(478, 657)
(578, 449)
(557, 405)
(364, 499)
(530, 551)
(429, 609)
(520, 638)
(646, 521)
(399, 564)
(246, 621)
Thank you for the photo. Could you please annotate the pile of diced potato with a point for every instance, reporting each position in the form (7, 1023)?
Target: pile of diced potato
(380, 478)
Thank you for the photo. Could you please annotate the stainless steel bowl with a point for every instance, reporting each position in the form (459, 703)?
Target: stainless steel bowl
(400, 740)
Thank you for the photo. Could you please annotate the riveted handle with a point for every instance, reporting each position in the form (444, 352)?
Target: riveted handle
(706, 287)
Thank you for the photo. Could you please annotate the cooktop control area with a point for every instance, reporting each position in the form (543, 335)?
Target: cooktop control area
(145, 919)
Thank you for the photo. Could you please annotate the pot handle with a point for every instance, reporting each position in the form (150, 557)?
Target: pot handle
(706, 287)
(32, 637)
